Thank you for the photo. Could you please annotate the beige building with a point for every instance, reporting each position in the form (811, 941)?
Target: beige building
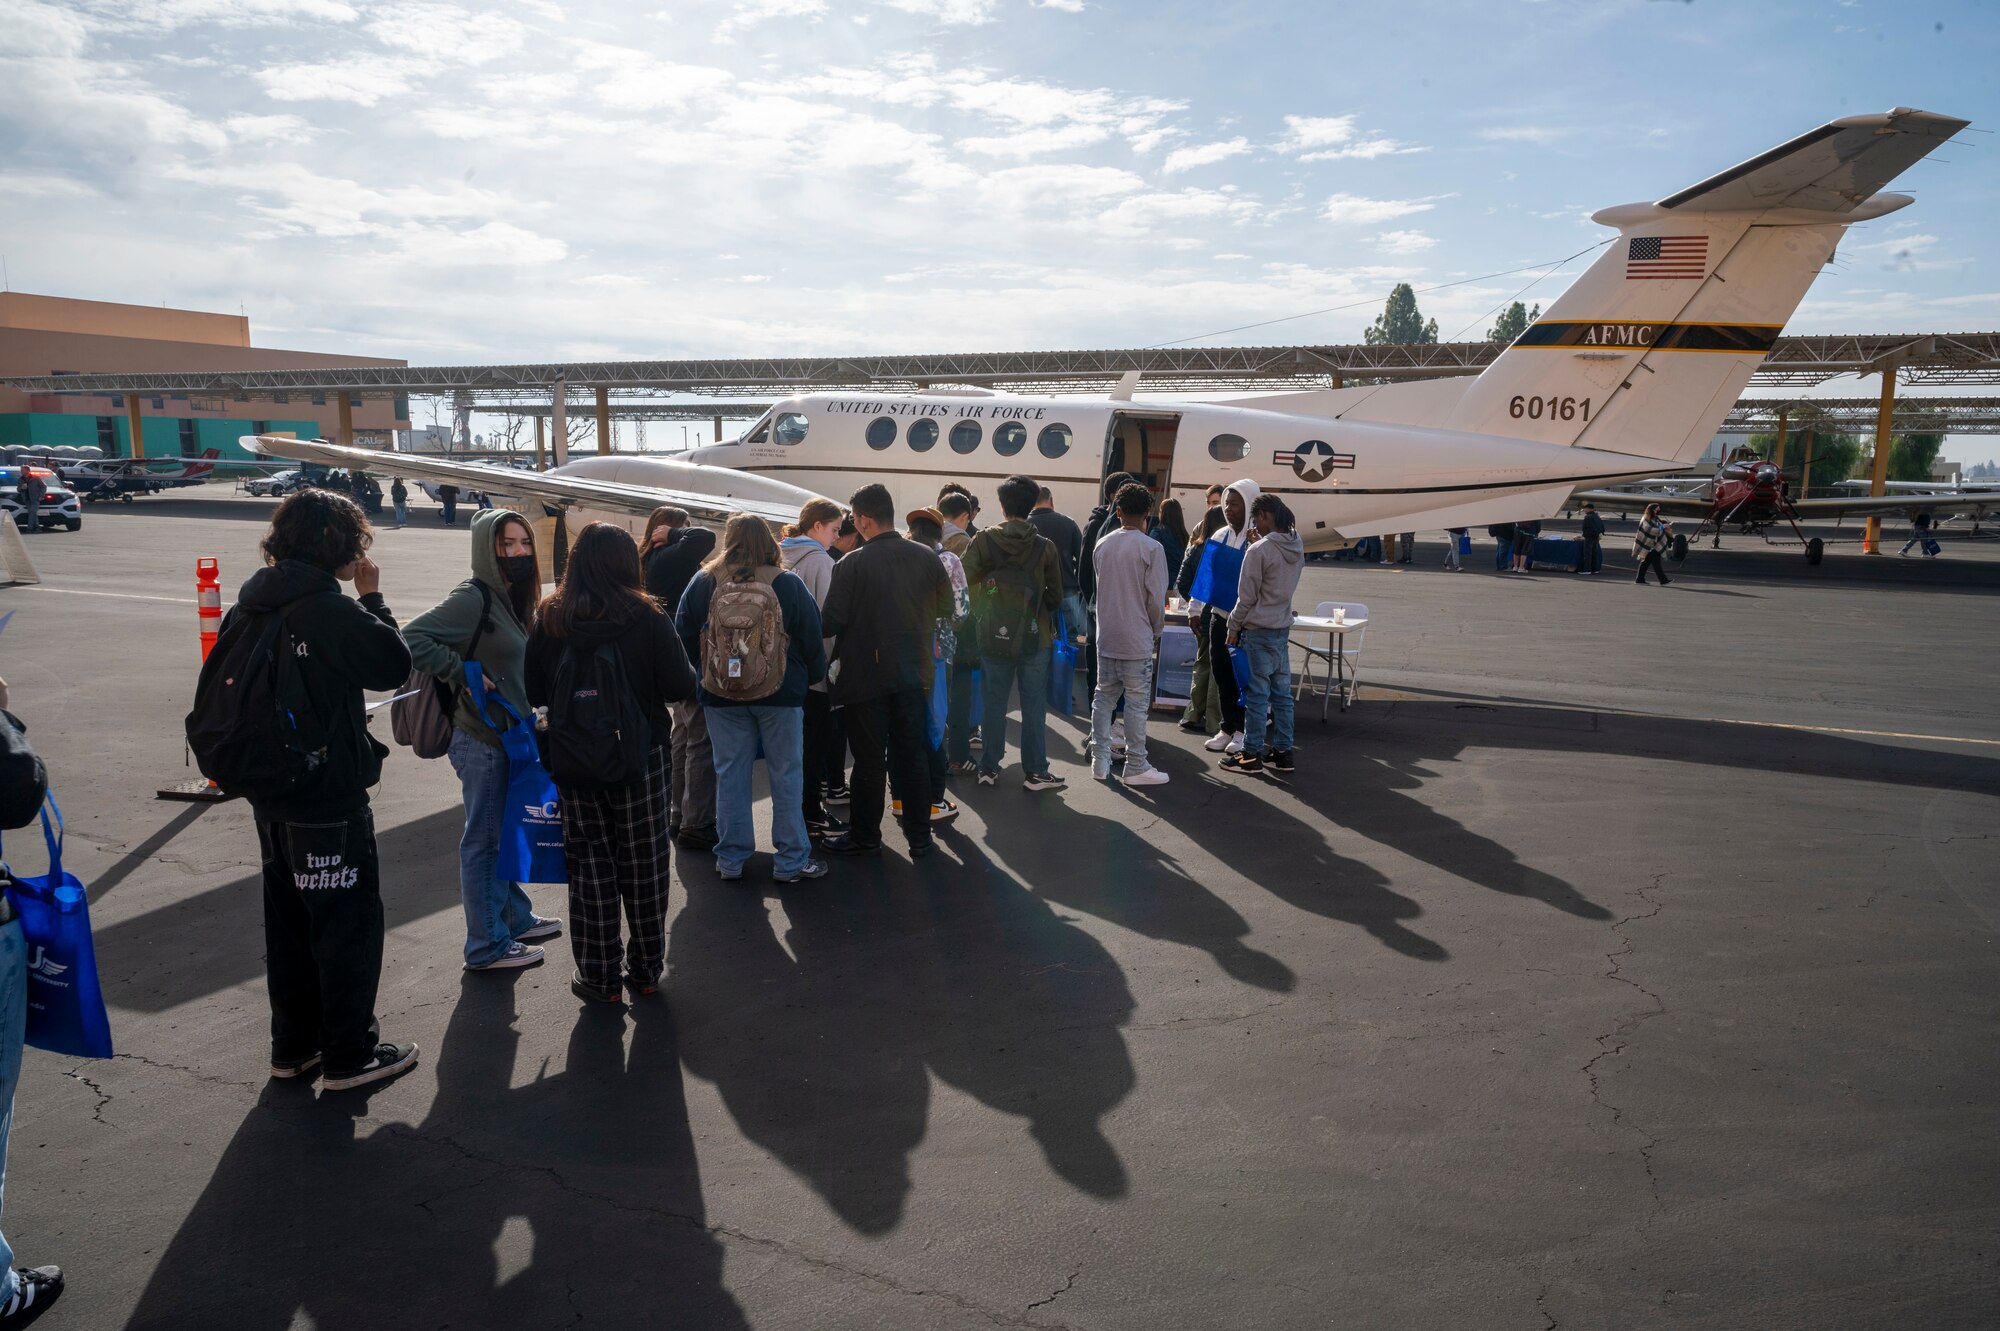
(53, 335)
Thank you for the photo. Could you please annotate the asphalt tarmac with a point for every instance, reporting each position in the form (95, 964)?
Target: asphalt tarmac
(1624, 958)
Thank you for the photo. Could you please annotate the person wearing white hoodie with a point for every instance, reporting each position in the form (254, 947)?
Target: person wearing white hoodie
(805, 552)
(1262, 623)
(1233, 534)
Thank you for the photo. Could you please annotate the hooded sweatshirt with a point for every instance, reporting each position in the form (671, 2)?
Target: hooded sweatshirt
(1008, 544)
(671, 567)
(1224, 535)
(345, 646)
(814, 566)
(1269, 580)
(439, 637)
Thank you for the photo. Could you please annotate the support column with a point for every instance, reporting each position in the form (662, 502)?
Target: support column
(133, 426)
(603, 421)
(1805, 468)
(559, 425)
(541, 444)
(718, 429)
(1337, 380)
(1778, 451)
(346, 401)
(1879, 485)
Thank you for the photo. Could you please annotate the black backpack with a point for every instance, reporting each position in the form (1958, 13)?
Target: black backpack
(598, 736)
(253, 729)
(1009, 597)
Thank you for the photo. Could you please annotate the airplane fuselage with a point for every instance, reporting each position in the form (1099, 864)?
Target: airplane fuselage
(1341, 479)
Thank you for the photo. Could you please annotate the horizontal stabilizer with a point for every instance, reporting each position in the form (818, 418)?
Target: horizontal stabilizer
(1833, 169)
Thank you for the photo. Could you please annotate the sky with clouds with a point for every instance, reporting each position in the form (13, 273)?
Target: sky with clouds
(534, 179)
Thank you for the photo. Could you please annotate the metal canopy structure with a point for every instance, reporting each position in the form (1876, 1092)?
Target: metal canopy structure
(1858, 415)
(1956, 358)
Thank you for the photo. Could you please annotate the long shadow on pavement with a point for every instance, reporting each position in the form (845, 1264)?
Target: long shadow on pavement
(572, 1199)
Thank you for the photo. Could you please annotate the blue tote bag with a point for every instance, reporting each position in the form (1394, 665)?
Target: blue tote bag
(65, 1003)
(531, 833)
(1062, 672)
(1215, 578)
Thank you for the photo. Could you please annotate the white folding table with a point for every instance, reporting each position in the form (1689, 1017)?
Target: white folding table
(1336, 631)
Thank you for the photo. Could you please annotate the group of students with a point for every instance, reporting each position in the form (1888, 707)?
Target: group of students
(658, 672)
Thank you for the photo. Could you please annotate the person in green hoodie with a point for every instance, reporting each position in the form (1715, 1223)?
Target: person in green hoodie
(486, 619)
(1017, 586)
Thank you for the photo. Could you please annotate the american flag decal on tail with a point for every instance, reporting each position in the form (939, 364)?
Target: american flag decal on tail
(1670, 257)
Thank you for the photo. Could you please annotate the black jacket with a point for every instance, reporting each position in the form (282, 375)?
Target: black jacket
(655, 665)
(346, 646)
(24, 782)
(671, 567)
(1086, 568)
(1067, 538)
(881, 610)
(1593, 526)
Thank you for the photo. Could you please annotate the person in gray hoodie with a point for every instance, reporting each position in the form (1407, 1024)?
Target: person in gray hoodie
(486, 619)
(1262, 624)
(805, 552)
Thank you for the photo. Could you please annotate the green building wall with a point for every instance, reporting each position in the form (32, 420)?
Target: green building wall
(47, 429)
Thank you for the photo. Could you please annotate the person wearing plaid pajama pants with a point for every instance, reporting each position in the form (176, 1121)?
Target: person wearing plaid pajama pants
(615, 843)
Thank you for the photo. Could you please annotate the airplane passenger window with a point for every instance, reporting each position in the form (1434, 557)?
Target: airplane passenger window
(1010, 439)
(965, 436)
(789, 428)
(881, 432)
(923, 435)
(1229, 448)
(1053, 440)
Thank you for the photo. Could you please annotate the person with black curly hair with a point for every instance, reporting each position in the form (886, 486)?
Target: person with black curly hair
(323, 922)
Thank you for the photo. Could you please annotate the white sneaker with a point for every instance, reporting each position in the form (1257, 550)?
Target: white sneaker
(1235, 744)
(517, 954)
(1152, 776)
(1219, 741)
(1118, 732)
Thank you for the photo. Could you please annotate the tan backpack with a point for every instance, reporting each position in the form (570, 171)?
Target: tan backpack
(744, 647)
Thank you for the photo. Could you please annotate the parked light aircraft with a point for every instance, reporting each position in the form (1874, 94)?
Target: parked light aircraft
(124, 478)
(1754, 496)
(1629, 373)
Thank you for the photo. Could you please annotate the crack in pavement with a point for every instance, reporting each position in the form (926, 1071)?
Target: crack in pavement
(1067, 1285)
(1615, 1041)
(103, 1098)
(1541, 1306)
(196, 1073)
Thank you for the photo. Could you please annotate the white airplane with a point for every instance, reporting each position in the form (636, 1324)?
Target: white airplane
(1627, 375)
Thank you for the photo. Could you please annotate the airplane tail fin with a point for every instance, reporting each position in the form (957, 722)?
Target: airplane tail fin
(1648, 349)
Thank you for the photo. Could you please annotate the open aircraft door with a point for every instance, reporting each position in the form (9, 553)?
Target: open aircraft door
(1142, 443)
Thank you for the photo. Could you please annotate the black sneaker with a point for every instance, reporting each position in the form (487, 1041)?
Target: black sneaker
(297, 1067)
(1243, 762)
(836, 792)
(987, 778)
(697, 838)
(36, 1290)
(825, 825)
(845, 844)
(592, 993)
(1281, 761)
(813, 869)
(390, 1060)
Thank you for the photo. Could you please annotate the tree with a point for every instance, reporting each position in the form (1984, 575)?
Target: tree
(1911, 456)
(1513, 321)
(1401, 321)
(1834, 456)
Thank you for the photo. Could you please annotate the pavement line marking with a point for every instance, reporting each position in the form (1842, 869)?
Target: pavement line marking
(1400, 695)
(116, 596)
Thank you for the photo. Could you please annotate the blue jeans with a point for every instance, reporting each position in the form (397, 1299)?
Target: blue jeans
(999, 674)
(958, 715)
(13, 1024)
(1268, 690)
(402, 512)
(1074, 618)
(1120, 681)
(495, 910)
(735, 733)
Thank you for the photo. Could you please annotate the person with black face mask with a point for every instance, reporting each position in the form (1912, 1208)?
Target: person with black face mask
(486, 619)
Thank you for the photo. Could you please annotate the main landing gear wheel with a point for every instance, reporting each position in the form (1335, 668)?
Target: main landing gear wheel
(1815, 550)
(1681, 548)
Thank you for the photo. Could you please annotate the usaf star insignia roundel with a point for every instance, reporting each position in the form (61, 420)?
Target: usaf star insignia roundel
(1314, 460)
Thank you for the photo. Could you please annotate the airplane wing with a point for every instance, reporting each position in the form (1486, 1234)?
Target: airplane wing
(699, 497)
(1701, 506)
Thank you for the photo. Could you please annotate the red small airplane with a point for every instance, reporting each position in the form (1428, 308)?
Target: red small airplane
(1752, 495)
(123, 478)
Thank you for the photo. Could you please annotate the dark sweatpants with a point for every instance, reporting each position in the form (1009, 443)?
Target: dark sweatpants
(891, 742)
(322, 939)
(818, 734)
(1222, 672)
